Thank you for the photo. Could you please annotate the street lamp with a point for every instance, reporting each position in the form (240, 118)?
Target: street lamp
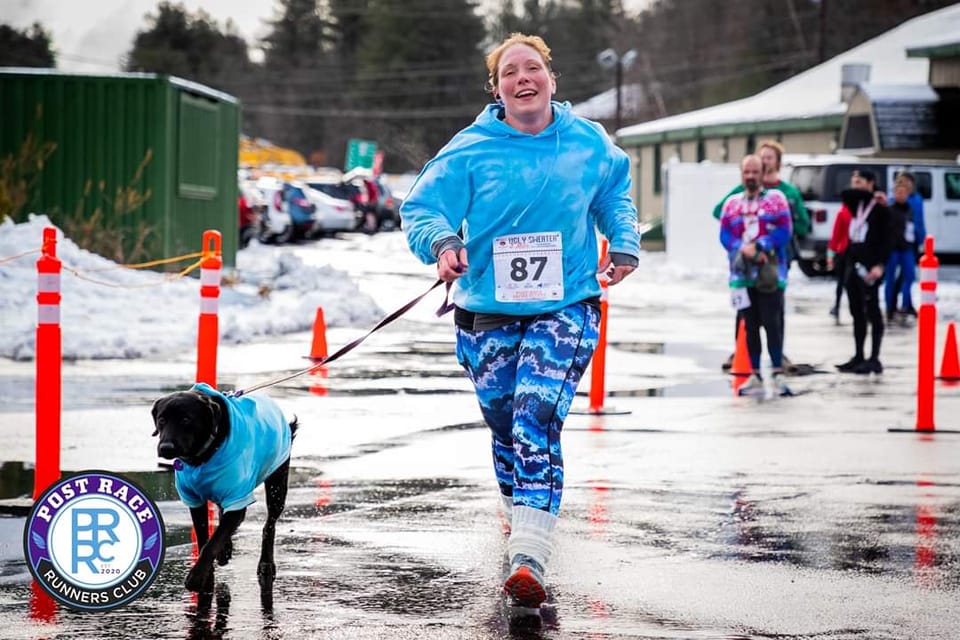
(610, 59)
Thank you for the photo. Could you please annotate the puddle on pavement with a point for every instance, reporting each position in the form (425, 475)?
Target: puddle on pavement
(638, 347)
(16, 481)
(917, 541)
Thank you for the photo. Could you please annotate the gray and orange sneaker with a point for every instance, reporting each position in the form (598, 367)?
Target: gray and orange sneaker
(525, 584)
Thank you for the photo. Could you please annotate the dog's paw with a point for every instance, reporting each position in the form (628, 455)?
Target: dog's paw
(266, 573)
(199, 581)
(226, 553)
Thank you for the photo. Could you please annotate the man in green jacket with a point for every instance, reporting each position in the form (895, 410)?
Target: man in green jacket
(771, 154)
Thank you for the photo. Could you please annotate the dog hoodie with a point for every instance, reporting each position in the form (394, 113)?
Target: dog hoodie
(259, 442)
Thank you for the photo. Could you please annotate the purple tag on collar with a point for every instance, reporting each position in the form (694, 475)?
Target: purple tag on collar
(178, 464)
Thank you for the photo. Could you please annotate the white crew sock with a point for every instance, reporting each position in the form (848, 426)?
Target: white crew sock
(531, 533)
(506, 504)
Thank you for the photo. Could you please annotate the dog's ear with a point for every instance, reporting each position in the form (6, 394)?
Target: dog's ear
(153, 412)
(214, 408)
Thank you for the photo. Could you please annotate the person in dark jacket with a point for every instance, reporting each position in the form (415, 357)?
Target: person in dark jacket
(871, 241)
(903, 255)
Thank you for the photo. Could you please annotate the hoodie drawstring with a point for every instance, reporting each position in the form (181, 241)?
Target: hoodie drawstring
(556, 155)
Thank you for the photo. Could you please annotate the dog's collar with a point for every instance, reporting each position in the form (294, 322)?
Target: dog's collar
(207, 446)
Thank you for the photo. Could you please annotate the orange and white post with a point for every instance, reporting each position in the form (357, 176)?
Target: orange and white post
(599, 362)
(926, 336)
(49, 351)
(208, 333)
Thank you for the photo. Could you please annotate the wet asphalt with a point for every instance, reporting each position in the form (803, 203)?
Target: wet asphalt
(687, 512)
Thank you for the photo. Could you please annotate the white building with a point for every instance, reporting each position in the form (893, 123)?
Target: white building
(859, 101)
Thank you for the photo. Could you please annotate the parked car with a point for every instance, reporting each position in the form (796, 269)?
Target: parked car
(335, 187)
(380, 209)
(388, 208)
(289, 212)
(275, 223)
(399, 184)
(251, 205)
(332, 214)
(301, 208)
(821, 178)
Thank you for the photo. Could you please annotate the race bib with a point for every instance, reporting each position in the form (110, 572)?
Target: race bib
(528, 267)
(739, 299)
(858, 232)
(909, 233)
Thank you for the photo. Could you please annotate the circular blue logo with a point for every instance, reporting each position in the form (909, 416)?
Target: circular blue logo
(94, 541)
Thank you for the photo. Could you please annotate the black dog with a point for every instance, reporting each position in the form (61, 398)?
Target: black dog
(225, 447)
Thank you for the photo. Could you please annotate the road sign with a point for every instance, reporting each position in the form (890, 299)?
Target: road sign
(360, 153)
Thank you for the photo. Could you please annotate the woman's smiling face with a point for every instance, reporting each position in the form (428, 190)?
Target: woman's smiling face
(524, 82)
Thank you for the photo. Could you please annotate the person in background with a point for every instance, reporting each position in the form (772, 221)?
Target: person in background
(915, 200)
(837, 246)
(755, 229)
(899, 274)
(509, 211)
(871, 240)
(771, 155)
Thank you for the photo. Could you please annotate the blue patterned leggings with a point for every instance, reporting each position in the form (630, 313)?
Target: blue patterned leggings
(525, 375)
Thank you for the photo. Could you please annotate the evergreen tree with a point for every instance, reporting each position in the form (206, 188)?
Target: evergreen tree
(28, 48)
(192, 46)
(575, 32)
(423, 60)
(296, 36)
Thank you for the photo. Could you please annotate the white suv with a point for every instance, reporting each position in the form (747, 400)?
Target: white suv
(821, 178)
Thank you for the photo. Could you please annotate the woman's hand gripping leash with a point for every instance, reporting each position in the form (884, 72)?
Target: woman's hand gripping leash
(613, 274)
(452, 264)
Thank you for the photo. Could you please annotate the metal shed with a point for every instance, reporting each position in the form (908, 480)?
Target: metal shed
(150, 152)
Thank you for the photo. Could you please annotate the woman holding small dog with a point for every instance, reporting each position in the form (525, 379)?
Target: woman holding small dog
(509, 211)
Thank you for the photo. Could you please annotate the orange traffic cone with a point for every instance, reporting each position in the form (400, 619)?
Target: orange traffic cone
(741, 357)
(318, 351)
(950, 365)
(741, 367)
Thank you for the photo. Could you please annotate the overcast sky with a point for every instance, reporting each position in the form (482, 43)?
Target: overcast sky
(94, 35)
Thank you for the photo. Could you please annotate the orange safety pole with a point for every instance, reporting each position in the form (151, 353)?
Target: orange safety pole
(208, 334)
(598, 364)
(48, 363)
(42, 606)
(927, 335)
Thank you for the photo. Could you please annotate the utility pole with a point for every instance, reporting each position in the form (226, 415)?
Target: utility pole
(822, 32)
(610, 59)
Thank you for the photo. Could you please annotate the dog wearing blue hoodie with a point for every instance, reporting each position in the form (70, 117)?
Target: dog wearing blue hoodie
(224, 448)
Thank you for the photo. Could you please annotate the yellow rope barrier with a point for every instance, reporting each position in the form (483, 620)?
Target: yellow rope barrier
(19, 255)
(151, 263)
(138, 265)
(168, 278)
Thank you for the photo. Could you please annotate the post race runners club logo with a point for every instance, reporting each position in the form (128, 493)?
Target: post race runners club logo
(94, 541)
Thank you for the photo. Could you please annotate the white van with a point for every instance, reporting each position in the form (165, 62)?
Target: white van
(821, 179)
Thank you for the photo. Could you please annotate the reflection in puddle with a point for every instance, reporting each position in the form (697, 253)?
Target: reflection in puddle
(16, 481)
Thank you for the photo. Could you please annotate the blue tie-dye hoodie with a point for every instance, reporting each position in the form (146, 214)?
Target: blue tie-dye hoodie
(492, 180)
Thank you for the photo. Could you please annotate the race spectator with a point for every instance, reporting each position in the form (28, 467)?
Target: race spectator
(899, 275)
(837, 246)
(871, 240)
(771, 155)
(755, 229)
